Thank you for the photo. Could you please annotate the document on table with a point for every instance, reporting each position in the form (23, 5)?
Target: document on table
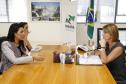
(93, 60)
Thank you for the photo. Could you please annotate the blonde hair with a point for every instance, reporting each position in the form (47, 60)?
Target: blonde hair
(112, 29)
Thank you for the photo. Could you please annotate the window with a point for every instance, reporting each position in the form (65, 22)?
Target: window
(121, 7)
(121, 13)
(120, 19)
(109, 11)
(82, 10)
(13, 11)
(3, 11)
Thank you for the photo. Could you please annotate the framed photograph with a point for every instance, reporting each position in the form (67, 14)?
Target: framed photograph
(45, 11)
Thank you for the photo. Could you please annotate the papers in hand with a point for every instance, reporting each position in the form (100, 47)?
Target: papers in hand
(81, 48)
(95, 60)
(36, 48)
(84, 48)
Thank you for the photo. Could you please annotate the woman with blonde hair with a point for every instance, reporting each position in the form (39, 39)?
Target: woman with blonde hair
(112, 52)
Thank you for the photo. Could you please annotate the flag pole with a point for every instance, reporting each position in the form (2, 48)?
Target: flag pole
(90, 19)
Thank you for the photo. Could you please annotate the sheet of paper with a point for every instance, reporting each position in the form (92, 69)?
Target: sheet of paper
(36, 48)
(90, 60)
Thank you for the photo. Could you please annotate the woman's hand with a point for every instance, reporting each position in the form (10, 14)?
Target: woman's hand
(102, 43)
(38, 58)
(91, 53)
(97, 52)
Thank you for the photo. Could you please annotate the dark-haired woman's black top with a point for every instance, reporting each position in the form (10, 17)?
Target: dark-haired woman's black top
(117, 67)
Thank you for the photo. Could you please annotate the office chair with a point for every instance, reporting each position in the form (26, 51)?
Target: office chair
(3, 38)
(121, 82)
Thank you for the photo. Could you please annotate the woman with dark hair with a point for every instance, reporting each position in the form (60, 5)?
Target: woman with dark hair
(112, 53)
(26, 31)
(12, 50)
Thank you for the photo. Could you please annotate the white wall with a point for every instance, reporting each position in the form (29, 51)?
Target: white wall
(69, 9)
(4, 28)
(48, 32)
(52, 32)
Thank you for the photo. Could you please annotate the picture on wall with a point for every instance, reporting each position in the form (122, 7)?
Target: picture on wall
(45, 11)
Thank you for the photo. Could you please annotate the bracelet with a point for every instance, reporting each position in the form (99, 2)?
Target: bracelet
(102, 49)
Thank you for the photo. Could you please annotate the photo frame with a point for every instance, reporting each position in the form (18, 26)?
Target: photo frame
(45, 11)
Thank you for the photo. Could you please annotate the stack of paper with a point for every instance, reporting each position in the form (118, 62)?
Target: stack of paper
(90, 60)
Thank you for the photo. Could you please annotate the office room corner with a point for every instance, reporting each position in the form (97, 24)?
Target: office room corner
(62, 42)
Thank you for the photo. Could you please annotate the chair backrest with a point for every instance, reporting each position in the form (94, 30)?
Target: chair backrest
(125, 59)
(121, 82)
(3, 38)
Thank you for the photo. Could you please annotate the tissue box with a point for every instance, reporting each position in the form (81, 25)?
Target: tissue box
(56, 58)
(69, 58)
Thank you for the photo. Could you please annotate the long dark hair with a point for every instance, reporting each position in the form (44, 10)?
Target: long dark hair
(23, 24)
(14, 28)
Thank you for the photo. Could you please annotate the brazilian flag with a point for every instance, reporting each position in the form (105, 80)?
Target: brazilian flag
(90, 19)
